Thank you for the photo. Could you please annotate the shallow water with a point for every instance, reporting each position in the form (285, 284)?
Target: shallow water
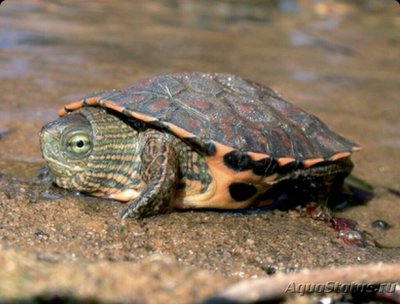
(336, 59)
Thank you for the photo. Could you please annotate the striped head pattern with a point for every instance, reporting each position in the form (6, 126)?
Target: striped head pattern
(91, 150)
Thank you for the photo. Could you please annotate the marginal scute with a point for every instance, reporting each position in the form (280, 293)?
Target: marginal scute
(74, 106)
(339, 156)
(312, 162)
(265, 167)
(242, 191)
(283, 161)
(159, 125)
(289, 167)
(195, 143)
(113, 106)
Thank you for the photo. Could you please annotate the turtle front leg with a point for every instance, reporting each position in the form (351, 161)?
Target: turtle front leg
(159, 171)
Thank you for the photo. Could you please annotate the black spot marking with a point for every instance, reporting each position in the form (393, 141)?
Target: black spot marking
(238, 161)
(127, 117)
(290, 167)
(195, 143)
(242, 191)
(288, 194)
(67, 110)
(158, 125)
(204, 147)
(210, 148)
(265, 167)
(127, 113)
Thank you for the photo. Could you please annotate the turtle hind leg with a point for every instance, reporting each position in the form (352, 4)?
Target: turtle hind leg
(159, 172)
(352, 191)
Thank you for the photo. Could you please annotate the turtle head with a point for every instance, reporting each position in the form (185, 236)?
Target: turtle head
(66, 145)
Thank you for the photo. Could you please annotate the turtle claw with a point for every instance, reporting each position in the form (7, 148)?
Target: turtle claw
(130, 213)
(140, 209)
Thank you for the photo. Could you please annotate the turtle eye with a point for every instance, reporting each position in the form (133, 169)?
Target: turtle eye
(78, 144)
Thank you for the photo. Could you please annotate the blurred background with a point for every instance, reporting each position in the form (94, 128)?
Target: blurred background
(337, 59)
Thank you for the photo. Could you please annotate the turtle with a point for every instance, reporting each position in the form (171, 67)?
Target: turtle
(194, 140)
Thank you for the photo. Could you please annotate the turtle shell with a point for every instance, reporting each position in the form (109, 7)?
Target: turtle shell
(225, 115)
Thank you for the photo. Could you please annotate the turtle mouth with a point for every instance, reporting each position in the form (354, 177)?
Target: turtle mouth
(58, 168)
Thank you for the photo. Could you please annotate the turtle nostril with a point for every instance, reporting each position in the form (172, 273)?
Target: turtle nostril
(47, 144)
